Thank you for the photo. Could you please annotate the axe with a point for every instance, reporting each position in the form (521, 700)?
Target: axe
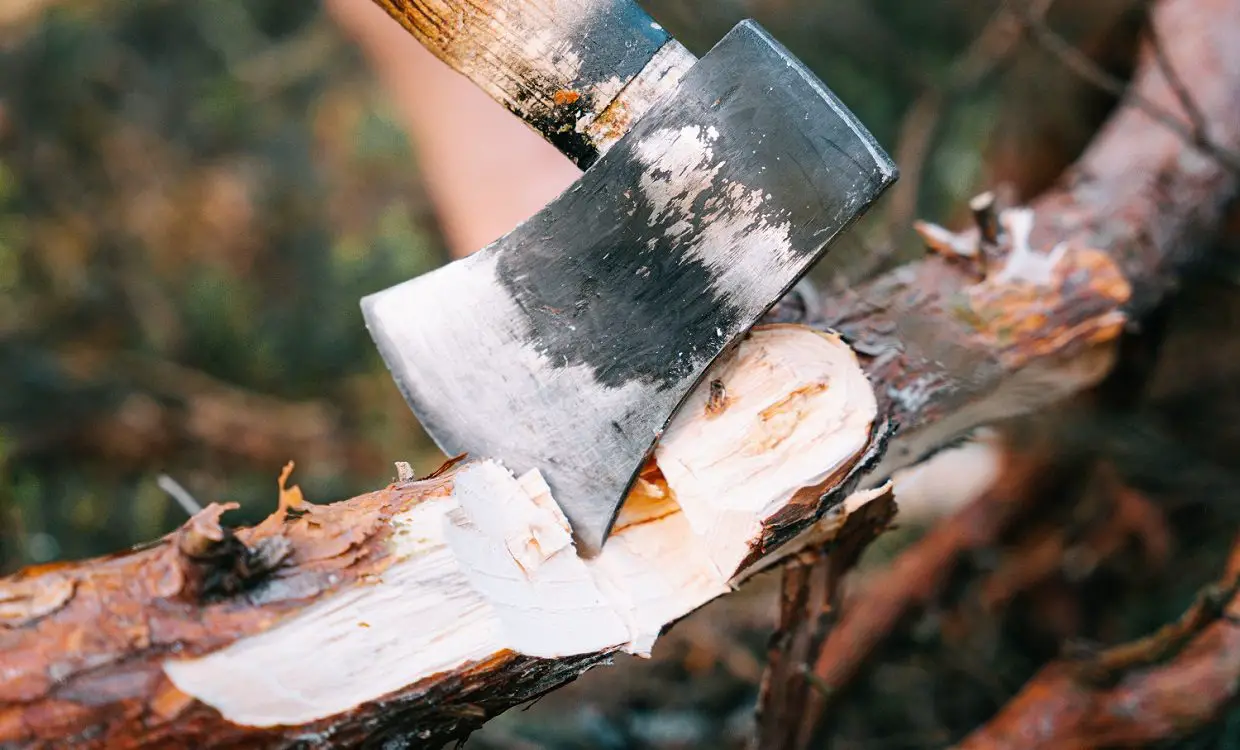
(710, 188)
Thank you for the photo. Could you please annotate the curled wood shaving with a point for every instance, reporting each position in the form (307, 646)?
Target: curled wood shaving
(290, 497)
(24, 601)
(946, 242)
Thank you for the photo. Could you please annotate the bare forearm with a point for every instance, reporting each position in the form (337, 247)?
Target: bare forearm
(485, 170)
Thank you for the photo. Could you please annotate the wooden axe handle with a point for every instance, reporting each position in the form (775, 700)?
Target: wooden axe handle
(578, 71)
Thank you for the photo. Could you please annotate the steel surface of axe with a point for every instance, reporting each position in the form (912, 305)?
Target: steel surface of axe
(568, 344)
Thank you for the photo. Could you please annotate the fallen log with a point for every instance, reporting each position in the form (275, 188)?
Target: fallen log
(423, 609)
(413, 614)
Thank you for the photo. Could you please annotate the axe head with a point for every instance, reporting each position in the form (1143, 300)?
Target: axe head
(568, 344)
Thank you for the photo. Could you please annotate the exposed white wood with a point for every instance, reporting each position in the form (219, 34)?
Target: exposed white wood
(788, 418)
(490, 568)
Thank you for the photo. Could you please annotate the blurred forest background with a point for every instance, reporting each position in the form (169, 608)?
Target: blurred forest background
(195, 195)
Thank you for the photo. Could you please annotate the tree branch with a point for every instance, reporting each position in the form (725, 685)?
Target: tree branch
(1154, 689)
(791, 700)
(1081, 263)
(1194, 133)
(425, 608)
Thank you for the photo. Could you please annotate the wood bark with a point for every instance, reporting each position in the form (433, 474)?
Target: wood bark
(952, 345)
(415, 613)
(87, 650)
(810, 599)
(1154, 689)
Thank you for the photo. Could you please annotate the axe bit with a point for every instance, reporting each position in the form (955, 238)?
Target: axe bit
(711, 187)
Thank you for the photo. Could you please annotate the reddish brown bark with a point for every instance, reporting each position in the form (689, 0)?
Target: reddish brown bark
(82, 644)
(1114, 700)
(1131, 211)
(789, 703)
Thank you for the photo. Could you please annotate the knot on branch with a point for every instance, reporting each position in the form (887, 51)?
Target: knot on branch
(210, 562)
(26, 599)
(1029, 301)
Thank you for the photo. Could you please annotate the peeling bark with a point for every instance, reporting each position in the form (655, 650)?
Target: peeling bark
(422, 610)
(953, 347)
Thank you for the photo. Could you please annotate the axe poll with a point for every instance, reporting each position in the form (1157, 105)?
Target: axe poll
(711, 187)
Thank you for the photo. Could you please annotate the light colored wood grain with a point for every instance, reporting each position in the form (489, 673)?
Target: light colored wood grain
(577, 71)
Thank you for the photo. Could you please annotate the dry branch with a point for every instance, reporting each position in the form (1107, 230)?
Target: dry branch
(954, 351)
(415, 613)
(791, 699)
(423, 609)
(1156, 689)
(920, 574)
(1085, 259)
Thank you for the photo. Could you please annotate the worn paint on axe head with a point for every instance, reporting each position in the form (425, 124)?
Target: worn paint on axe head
(567, 345)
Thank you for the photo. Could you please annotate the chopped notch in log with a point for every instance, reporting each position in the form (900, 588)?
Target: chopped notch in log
(438, 603)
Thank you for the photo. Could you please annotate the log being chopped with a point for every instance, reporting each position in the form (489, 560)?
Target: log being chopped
(427, 607)
(568, 344)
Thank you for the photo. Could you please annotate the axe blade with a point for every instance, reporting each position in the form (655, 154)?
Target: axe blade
(567, 345)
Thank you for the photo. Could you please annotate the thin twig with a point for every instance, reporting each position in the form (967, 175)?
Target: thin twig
(1105, 667)
(1090, 72)
(187, 502)
(1193, 111)
(792, 696)
(1064, 705)
(992, 49)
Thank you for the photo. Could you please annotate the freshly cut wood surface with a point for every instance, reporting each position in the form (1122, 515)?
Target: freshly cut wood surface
(431, 605)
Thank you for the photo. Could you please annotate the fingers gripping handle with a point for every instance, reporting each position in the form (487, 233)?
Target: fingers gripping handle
(577, 71)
